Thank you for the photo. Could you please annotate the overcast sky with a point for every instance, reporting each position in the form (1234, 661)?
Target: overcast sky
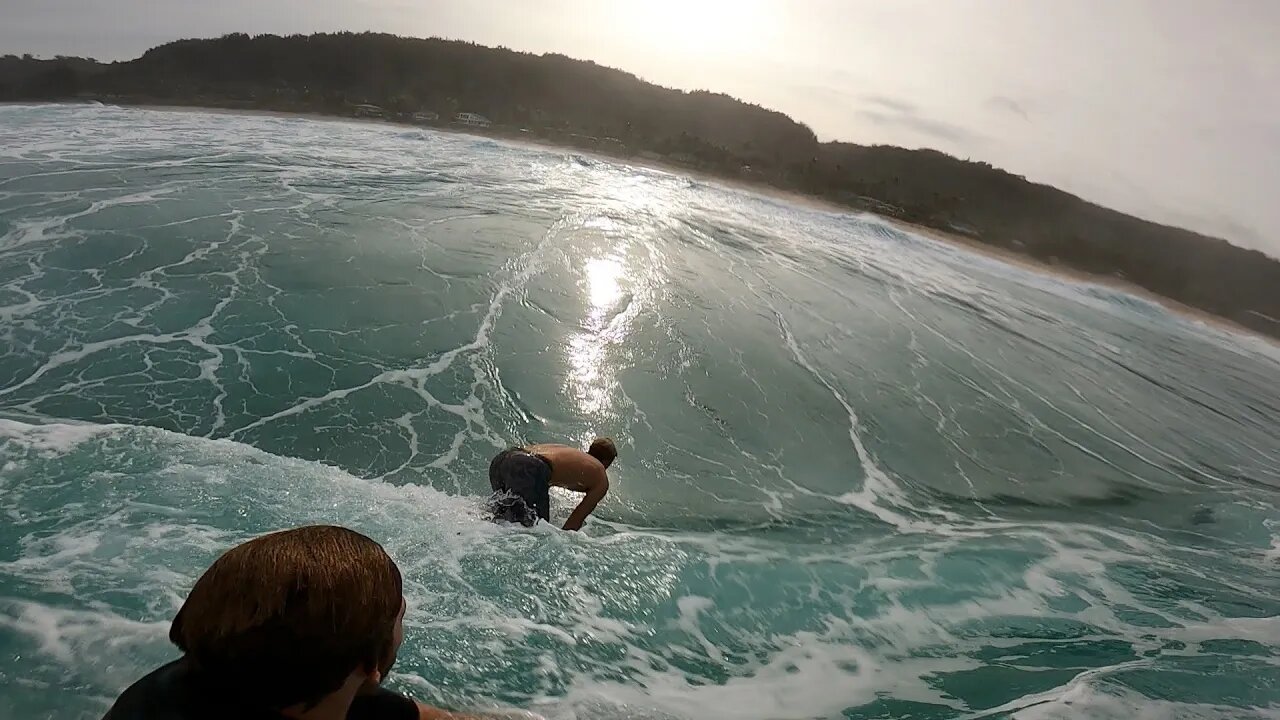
(1169, 109)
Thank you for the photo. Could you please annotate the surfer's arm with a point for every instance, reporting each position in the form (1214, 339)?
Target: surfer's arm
(594, 494)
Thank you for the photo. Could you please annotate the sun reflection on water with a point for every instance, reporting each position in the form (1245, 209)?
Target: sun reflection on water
(603, 289)
(592, 380)
(618, 271)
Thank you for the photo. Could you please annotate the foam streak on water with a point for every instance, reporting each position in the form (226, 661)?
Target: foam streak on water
(863, 474)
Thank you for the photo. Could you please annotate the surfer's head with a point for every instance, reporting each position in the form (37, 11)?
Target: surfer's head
(289, 618)
(603, 450)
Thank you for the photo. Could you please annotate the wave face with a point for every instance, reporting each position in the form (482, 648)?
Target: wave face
(863, 474)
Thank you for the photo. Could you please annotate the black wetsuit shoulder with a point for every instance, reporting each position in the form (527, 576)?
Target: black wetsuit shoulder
(175, 692)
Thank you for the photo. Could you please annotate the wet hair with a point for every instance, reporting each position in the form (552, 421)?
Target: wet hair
(284, 619)
(603, 450)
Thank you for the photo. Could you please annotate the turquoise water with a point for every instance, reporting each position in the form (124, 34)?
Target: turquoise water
(863, 474)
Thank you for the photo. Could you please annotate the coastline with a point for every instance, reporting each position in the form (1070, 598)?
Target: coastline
(1009, 257)
(761, 188)
(956, 240)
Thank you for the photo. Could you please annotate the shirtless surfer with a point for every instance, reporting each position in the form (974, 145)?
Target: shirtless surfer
(521, 478)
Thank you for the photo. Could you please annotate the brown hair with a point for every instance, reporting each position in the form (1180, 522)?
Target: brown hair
(285, 618)
(603, 450)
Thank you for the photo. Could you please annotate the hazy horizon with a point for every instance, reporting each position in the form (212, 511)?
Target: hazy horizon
(1167, 111)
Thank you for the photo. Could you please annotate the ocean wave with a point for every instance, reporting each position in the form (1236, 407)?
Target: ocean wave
(862, 473)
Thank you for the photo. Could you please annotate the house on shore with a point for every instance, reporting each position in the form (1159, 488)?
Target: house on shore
(472, 119)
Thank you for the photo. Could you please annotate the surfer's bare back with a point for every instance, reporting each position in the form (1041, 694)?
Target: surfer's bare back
(523, 476)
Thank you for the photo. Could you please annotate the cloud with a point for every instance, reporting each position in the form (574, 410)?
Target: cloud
(888, 111)
(901, 107)
(885, 111)
(921, 125)
(1001, 103)
(824, 93)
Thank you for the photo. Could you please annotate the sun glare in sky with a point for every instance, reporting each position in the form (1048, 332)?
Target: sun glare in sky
(703, 27)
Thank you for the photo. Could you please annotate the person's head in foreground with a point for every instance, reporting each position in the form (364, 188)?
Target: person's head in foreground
(302, 623)
(603, 450)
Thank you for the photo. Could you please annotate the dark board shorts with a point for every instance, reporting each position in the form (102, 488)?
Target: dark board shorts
(521, 483)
